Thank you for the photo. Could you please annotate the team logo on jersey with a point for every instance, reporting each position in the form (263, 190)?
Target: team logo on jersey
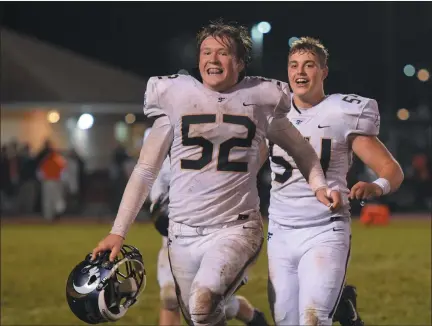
(298, 121)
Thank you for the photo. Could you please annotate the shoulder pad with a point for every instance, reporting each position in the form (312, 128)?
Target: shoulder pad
(353, 104)
(262, 80)
(155, 93)
(362, 113)
(277, 93)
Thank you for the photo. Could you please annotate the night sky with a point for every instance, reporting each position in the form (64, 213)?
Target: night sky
(369, 42)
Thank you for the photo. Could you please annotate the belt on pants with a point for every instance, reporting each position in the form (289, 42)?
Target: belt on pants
(177, 229)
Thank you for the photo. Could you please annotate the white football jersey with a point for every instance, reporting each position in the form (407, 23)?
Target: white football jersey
(214, 157)
(327, 127)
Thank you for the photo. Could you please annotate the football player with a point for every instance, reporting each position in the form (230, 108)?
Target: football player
(309, 246)
(212, 131)
(237, 306)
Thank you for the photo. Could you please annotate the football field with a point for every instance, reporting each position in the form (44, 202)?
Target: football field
(391, 267)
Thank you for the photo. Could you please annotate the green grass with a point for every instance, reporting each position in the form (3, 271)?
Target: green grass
(391, 267)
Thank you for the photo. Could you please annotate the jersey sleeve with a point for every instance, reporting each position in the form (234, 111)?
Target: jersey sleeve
(153, 104)
(277, 97)
(153, 153)
(363, 118)
(284, 104)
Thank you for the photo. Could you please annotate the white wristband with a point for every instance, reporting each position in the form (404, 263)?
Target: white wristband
(384, 184)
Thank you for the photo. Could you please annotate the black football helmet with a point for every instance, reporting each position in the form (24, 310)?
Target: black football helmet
(102, 291)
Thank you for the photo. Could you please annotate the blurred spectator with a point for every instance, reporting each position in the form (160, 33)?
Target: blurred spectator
(119, 174)
(421, 176)
(50, 173)
(27, 186)
(74, 181)
(10, 167)
(14, 165)
(5, 184)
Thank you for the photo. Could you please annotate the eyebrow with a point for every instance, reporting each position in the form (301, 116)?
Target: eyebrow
(307, 61)
(218, 49)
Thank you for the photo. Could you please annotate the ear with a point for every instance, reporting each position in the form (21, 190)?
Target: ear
(241, 65)
(325, 72)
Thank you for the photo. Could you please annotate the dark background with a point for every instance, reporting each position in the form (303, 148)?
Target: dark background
(369, 45)
(369, 42)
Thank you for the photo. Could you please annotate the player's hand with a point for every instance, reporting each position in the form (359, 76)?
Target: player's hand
(330, 198)
(365, 190)
(112, 242)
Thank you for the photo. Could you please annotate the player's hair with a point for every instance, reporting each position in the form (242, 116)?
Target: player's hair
(229, 32)
(310, 44)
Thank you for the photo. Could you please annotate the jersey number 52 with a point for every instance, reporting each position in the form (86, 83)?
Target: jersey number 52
(223, 163)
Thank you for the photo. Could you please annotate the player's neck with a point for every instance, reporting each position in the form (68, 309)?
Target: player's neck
(308, 102)
(226, 87)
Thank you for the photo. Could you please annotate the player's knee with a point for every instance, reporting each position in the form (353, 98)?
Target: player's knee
(315, 317)
(232, 307)
(168, 297)
(206, 307)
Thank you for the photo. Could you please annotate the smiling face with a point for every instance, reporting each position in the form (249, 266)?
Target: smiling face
(218, 63)
(307, 70)
(306, 76)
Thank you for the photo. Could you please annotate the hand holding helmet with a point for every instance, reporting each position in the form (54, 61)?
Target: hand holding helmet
(112, 242)
(103, 289)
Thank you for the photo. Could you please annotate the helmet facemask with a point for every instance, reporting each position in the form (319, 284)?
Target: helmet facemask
(124, 284)
(109, 288)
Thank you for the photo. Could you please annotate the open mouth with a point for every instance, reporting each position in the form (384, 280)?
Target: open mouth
(214, 71)
(301, 81)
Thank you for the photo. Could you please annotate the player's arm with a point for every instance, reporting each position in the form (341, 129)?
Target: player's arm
(362, 137)
(376, 156)
(283, 133)
(152, 155)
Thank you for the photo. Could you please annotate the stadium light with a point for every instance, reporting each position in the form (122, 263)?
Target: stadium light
(85, 121)
(257, 36)
(423, 75)
(257, 47)
(264, 27)
(53, 116)
(130, 118)
(409, 70)
(292, 40)
(121, 131)
(403, 114)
